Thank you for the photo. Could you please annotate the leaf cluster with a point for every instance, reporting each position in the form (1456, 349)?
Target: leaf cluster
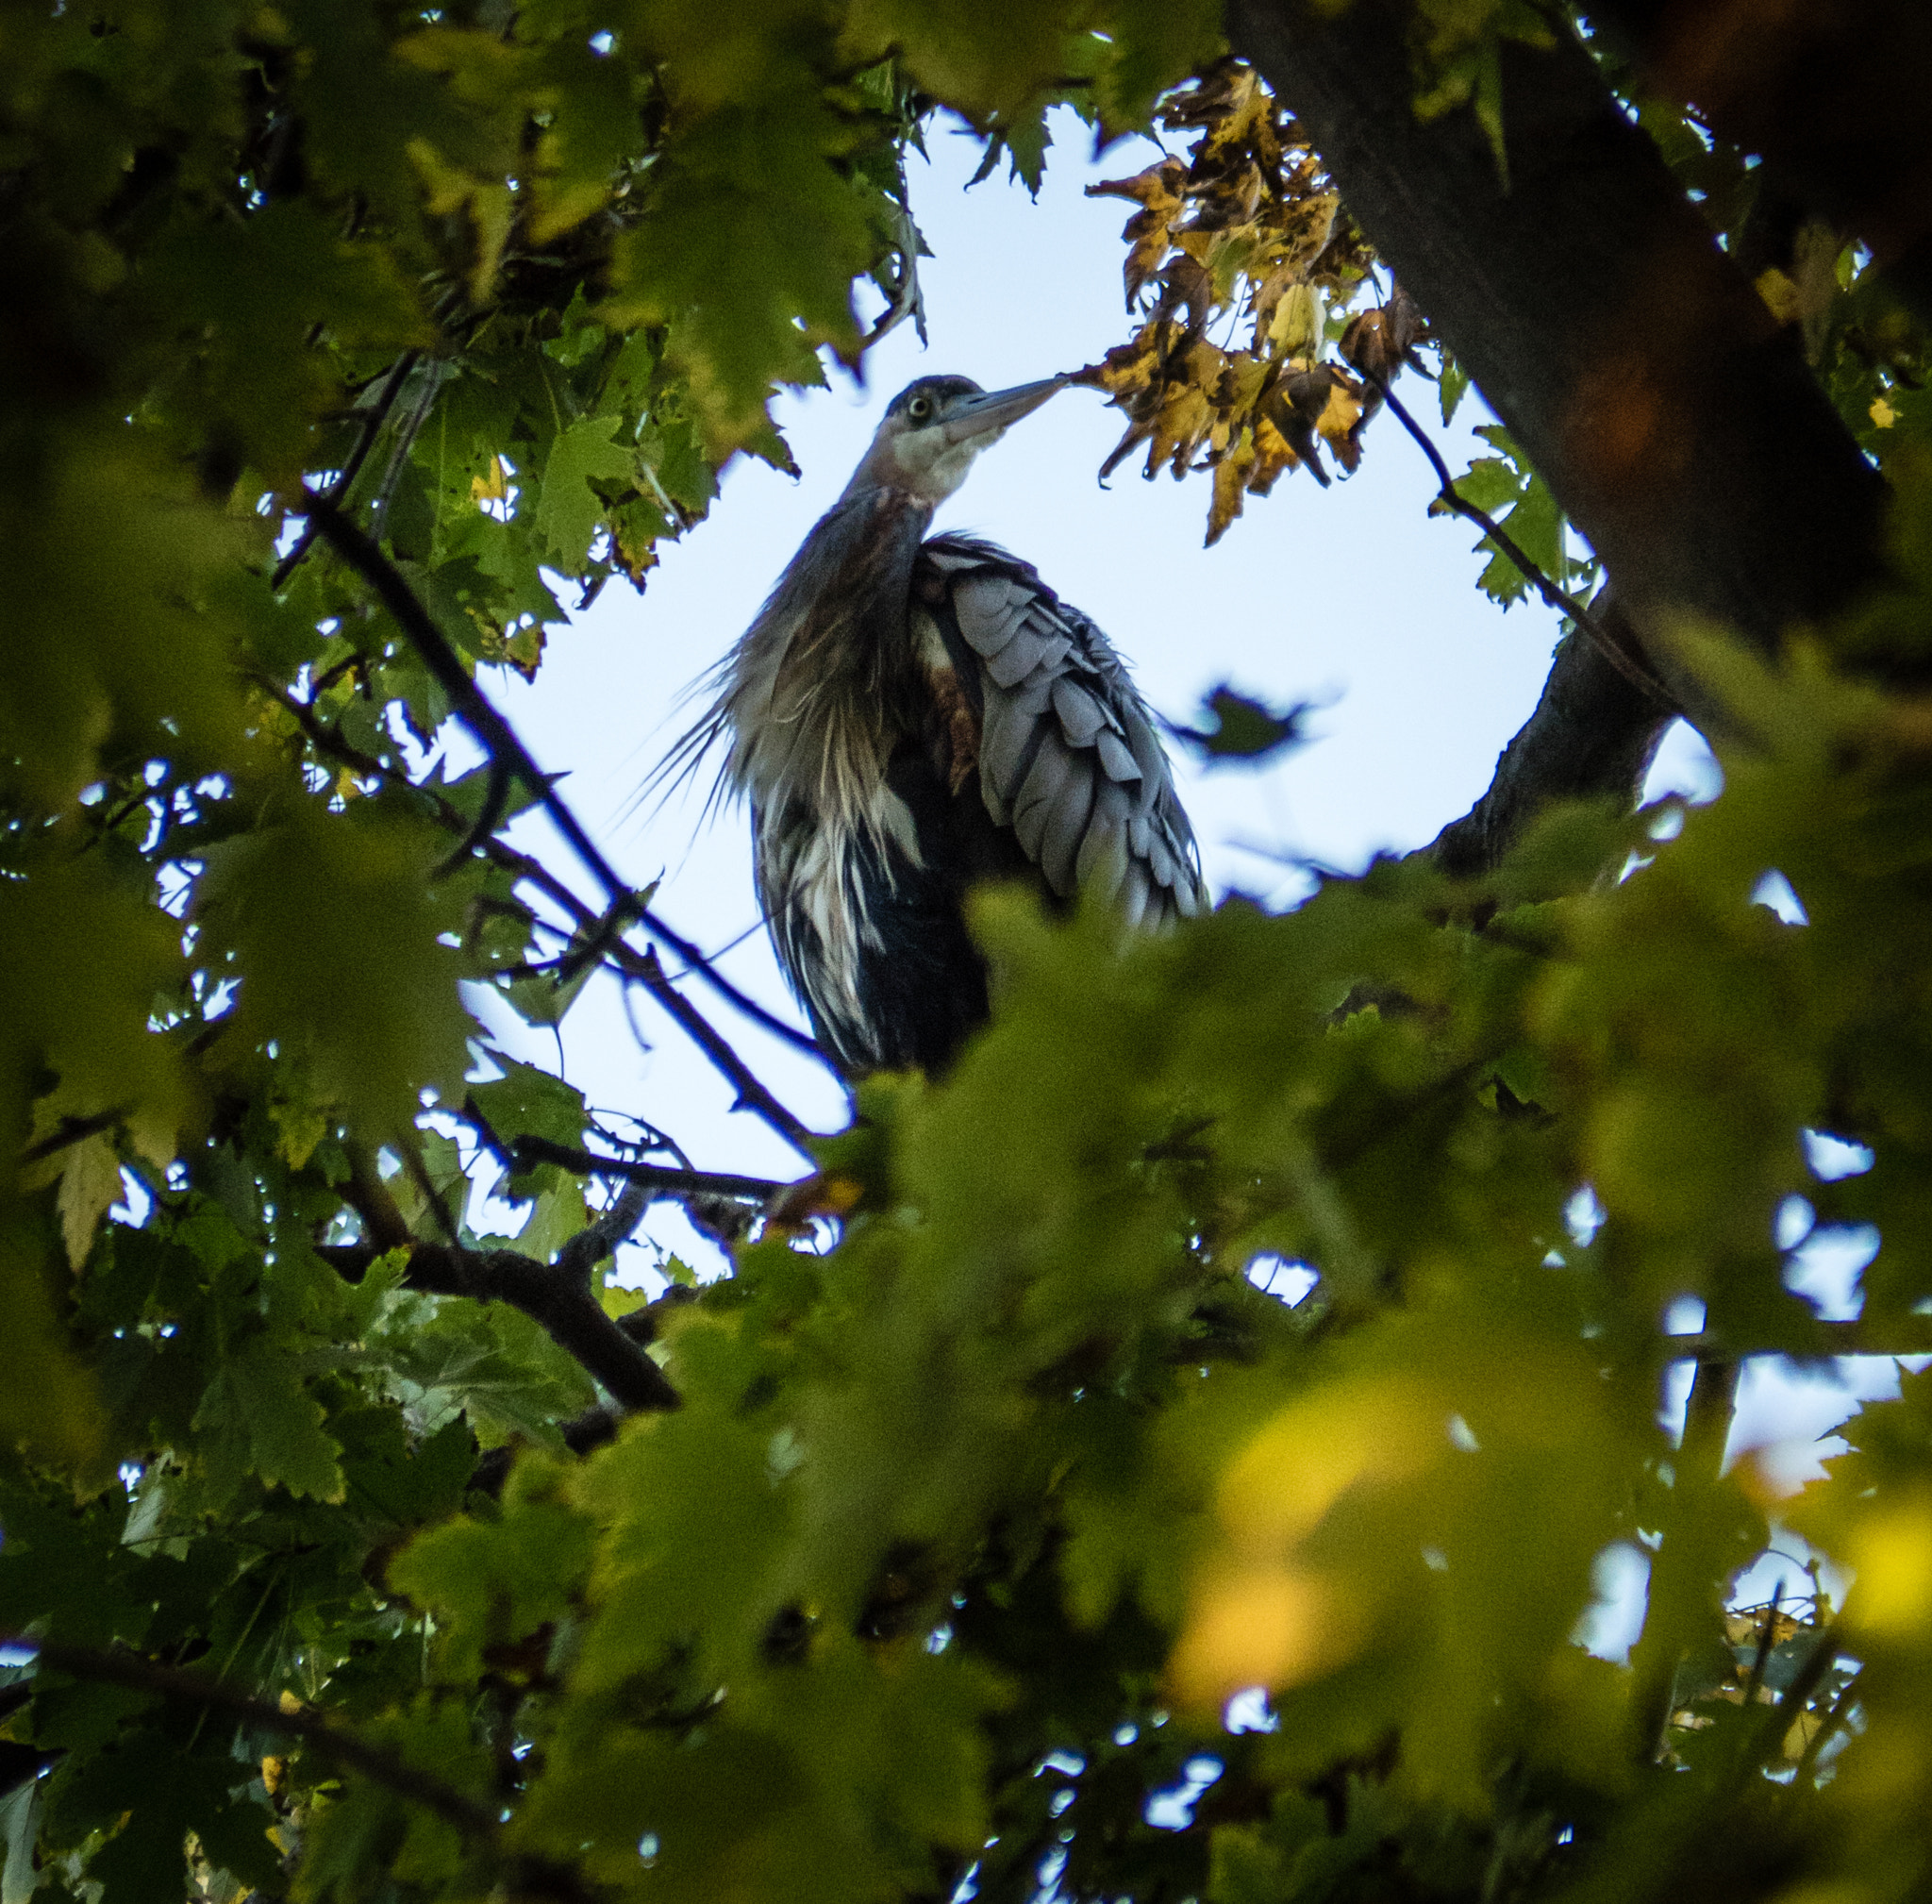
(353, 1549)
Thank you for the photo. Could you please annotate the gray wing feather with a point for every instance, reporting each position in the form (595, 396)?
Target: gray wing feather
(1051, 781)
(1069, 755)
(1116, 757)
(1080, 717)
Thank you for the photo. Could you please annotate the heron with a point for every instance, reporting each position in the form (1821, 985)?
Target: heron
(909, 716)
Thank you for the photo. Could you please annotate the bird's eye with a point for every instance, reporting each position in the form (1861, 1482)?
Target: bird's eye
(919, 408)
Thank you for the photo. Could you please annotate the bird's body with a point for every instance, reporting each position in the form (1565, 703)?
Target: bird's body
(909, 717)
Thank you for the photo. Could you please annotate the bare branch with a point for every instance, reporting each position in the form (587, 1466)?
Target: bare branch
(338, 490)
(500, 740)
(704, 967)
(647, 1176)
(1626, 663)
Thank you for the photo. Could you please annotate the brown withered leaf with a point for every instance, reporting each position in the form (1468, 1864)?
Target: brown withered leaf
(1231, 475)
(1186, 285)
(1149, 232)
(1378, 342)
(1236, 115)
(1248, 227)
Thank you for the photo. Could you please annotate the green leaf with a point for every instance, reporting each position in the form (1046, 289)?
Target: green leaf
(568, 510)
(265, 1422)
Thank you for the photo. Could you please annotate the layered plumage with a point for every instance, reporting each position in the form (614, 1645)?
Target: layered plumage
(909, 717)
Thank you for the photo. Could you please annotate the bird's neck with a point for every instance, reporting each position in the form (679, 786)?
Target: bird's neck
(824, 680)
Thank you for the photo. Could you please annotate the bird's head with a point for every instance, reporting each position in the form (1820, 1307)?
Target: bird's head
(934, 429)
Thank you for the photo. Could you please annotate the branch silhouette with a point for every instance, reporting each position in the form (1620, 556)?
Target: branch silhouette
(539, 1876)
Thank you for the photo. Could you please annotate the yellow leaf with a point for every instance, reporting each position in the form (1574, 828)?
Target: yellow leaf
(1779, 295)
(1892, 1554)
(1265, 1625)
(1340, 415)
(1296, 328)
(88, 1184)
(1230, 484)
(1882, 413)
(492, 487)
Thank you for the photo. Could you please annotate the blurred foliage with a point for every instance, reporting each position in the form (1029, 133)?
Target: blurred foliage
(967, 1531)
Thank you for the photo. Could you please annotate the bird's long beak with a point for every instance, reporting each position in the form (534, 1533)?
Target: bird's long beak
(994, 410)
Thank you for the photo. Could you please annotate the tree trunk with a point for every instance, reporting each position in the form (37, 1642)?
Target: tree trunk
(1678, 426)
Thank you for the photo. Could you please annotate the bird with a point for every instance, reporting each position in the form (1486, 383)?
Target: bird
(909, 716)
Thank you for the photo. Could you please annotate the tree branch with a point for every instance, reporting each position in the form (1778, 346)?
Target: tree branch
(499, 739)
(1592, 735)
(539, 1876)
(1678, 426)
(338, 490)
(561, 1303)
(556, 1296)
(1806, 1338)
(1626, 663)
(701, 964)
(1684, 1585)
(73, 1131)
(650, 1177)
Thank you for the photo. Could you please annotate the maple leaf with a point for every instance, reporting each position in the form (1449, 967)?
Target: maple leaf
(568, 510)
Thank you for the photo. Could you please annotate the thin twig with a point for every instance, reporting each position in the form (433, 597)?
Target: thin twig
(541, 1875)
(1833, 1720)
(644, 969)
(699, 962)
(500, 740)
(649, 1176)
(477, 838)
(1767, 1639)
(1562, 600)
(1792, 1703)
(702, 964)
(72, 1130)
(408, 429)
(339, 490)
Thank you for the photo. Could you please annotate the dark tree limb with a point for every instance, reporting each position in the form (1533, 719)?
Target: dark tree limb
(597, 1426)
(373, 420)
(1681, 1589)
(654, 1179)
(72, 1130)
(499, 741)
(550, 1294)
(1593, 734)
(556, 1296)
(536, 1877)
(1678, 426)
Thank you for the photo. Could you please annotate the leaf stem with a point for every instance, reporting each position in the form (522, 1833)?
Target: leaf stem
(1626, 664)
